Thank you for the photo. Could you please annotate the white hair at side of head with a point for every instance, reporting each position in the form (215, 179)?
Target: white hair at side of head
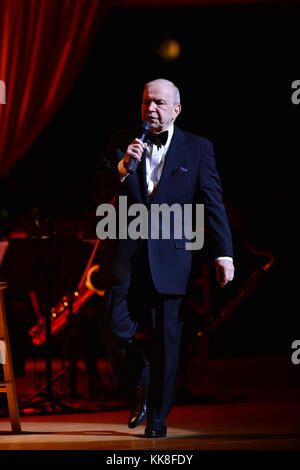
(168, 82)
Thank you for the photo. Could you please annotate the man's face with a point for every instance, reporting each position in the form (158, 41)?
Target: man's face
(158, 106)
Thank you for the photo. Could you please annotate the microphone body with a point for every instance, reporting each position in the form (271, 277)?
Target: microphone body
(133, 162)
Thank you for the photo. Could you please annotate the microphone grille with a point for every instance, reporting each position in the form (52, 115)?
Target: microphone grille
(146, 125)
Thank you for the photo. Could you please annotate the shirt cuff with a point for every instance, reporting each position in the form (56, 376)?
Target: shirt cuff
(228, 258)
(122, 170)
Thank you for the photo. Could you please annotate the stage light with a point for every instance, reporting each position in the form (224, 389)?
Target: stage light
(169, 49)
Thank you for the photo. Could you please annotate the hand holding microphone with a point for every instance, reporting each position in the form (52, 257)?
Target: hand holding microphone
(135, 150)
(133, 155)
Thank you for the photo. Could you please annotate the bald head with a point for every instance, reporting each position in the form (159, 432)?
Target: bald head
(161, 104)
(167, 84)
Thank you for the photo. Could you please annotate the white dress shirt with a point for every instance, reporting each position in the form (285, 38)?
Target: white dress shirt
(155, 159)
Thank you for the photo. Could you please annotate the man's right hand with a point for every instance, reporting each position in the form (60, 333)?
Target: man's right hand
(134, 150)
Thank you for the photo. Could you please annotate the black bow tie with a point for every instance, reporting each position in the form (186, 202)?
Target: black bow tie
(160, 139)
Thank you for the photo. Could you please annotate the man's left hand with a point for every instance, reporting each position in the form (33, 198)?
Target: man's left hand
(224, 271)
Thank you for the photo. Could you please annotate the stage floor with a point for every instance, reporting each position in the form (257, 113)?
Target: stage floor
(219, 427)
(263, 413)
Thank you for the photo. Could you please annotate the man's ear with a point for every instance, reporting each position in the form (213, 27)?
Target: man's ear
(177, 110)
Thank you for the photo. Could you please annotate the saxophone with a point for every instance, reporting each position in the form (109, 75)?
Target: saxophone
(199, 349)
(69, 304)
(245, 290)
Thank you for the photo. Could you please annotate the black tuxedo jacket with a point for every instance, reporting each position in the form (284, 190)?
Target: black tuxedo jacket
(189, 175)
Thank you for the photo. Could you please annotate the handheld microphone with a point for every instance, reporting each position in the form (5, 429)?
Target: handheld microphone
(133, 162)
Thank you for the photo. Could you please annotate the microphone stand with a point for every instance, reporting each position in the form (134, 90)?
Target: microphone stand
(72, 369)
(72, 357)
(49, 402)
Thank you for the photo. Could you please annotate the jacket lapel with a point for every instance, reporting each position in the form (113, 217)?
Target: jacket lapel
(173, 159)
(142, 179)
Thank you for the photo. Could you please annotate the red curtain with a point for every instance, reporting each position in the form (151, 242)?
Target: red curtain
(43, 44)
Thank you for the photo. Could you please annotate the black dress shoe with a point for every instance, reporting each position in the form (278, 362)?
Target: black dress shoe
(156, 429)
(139, 412)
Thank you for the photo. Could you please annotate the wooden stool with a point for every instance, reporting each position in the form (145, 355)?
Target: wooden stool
(8, 386)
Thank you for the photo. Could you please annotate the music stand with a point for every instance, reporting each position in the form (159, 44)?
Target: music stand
(72, 367)
(50, 402)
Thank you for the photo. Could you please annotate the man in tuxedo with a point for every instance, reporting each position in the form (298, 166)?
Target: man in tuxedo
(175, 166)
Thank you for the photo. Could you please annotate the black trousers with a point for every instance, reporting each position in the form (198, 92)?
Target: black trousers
(133, 305)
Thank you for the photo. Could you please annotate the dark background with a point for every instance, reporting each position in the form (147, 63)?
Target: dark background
(235, 72)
